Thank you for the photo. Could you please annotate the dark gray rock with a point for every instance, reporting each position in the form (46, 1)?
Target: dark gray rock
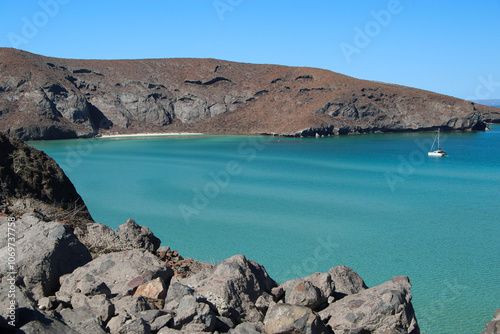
(150, 315)
(100, 307)
(122, 272)
(304, 293)
(175, 293)
(166, 330)
(245, 328)
(132, 305)
(223, 324)
(311, 291)
(234, 287)
(138, 236)
(346, 281)
(25, 316)
(385, 308)
(161, 321)
(82, 320)
(44, 252)
(115, 323)
(286, 318)
(95, 288)
(13, 299)
(264, 302)
(195, 312)
(40, 323)
(134, 326)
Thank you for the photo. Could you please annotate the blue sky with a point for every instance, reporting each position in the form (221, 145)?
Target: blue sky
(447, 46)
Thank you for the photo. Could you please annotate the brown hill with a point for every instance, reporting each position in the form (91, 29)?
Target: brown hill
(49, 98)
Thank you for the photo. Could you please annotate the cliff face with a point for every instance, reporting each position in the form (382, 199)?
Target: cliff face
(48, 98)
(32, 181)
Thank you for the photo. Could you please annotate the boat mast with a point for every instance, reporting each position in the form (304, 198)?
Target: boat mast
(434, 142)
(438, 139)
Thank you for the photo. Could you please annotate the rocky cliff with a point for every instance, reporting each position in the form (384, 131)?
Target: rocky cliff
(49, 98)
(31, 181)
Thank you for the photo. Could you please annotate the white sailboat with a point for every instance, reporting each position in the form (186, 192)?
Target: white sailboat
(439, 152)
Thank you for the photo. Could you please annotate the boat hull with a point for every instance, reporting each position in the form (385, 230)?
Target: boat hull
(437, 154)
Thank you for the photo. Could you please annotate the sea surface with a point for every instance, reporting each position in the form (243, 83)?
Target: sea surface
(376, 203)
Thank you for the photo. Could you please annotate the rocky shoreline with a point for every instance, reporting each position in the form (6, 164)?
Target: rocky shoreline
(61, 272)
(67, 282)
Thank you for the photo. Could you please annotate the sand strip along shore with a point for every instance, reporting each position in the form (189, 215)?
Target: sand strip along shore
(151, 135)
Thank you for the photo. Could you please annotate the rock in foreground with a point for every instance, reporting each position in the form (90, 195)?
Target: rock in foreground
(493, 326)
(43, 252)
(121, 272)
(382, 309)
(286, 318)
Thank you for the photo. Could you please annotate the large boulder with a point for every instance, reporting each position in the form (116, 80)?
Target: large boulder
(286, 318)
(346, 281)
(493, 326)
(195, 314)
(99, 306)
(43, 252)
(234, 287)
(138, 236)
(385, 308)
(132, 305)
(176, 292)
(311, 291)
(82, 320)
(39, 323)
(122, 272)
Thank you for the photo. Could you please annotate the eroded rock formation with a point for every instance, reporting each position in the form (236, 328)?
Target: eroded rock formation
(51, 98)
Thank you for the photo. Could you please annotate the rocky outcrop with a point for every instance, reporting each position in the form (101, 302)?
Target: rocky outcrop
(43, 253)
(382, 309)
(137, 236)
(286, 318)
(50, 98)
(346, 280)
(234, 276)
(493, 326)
(30, 181)
(121, 272)
(134, 291)
(312, 291)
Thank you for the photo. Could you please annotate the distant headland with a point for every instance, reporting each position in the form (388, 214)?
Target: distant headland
(52, 98)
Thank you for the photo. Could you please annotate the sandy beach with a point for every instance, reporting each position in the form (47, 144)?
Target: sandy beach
(151, 135)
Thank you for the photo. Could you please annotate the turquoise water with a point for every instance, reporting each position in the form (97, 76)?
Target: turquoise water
(376, 203)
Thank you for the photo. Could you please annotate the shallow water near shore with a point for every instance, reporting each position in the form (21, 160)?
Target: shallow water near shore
(376, 203)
